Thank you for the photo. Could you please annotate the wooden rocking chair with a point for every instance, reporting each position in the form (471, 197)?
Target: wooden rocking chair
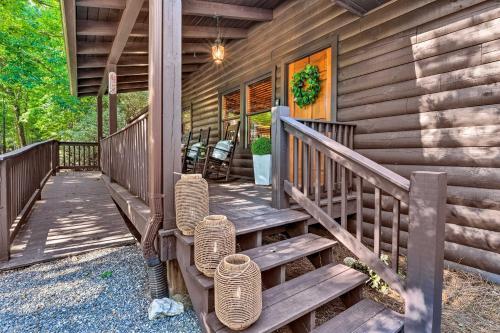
(193, 154)
(219, 158)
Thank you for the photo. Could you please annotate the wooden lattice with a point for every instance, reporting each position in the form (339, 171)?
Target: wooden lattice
(191, 202)
(214, 238)
(238, 292)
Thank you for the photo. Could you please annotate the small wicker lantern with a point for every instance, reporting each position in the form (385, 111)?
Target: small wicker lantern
(238, 292)
(191, 202)
(214, 238)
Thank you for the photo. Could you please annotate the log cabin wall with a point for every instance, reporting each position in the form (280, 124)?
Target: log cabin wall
(421, 81)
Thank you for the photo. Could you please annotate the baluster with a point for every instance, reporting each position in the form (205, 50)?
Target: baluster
(335, 164)
(64, 154)
(305, 169)
(350, 145)
(329, 185)
(395, 234)
(376, 226)
(343, 194)
(317, 194)
(295, 157)
(359, 208)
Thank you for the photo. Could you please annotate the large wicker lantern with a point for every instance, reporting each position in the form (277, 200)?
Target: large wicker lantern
(238, 292)
(191, 202)
(214, 238)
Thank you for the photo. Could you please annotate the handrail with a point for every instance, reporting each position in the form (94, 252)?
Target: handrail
(23, 173)
(311, 167)
(321, 121)
(23, 150)
(78, 155)
(124, 157)
(351, 159)
(136, 120)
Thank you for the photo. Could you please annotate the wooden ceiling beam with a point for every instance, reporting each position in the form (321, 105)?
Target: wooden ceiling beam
(195, 48)
(105, 48)
(104, 28)
(97, 62)
(87, 48)
(68, 10)
(211, 9)
(95, 88)
(189, 31)
(88, 73)
(121, 79)
(124, 31)
(111, 4)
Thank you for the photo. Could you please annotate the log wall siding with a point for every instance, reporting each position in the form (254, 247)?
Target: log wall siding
(420, 79)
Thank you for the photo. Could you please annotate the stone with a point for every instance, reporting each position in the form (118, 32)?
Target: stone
(164, 307)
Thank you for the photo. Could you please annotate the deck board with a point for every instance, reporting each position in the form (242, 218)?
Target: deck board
(76, 215)
(240, 199)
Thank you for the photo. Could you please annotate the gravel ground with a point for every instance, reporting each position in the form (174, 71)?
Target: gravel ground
(79, 294)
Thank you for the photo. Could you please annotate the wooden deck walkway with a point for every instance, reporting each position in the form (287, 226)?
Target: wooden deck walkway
(76, 215)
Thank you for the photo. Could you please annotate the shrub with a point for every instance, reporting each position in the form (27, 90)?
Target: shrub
(375, 281)
(261, 146)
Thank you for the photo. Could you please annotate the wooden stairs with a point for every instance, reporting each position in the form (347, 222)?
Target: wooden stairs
(290, 303)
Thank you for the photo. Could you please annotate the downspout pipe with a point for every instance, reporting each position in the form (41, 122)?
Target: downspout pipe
(158, 284)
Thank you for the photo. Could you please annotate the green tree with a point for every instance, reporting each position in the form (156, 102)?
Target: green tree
(34, 83)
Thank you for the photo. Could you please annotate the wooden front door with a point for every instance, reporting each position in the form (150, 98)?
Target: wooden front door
(320, 110)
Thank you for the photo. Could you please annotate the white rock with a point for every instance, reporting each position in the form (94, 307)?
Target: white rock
(164, 307)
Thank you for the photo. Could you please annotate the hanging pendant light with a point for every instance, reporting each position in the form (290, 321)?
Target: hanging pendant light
(218, 48)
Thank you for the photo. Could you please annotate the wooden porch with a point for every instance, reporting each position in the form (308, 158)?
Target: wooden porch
(75, 215)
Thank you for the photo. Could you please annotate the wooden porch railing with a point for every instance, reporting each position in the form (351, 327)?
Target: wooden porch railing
(23, 172)
(79, 155)
(335, 170)
(124, 157)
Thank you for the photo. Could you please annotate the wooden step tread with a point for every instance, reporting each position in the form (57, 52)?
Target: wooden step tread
(295, 298)
(276, 254)
(365, 316)
(258, 223)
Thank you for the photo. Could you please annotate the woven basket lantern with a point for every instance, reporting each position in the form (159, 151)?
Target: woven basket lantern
(238, 292)
(214, 238)
(191, 202)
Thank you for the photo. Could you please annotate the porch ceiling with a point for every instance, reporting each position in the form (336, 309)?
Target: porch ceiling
(102, 32)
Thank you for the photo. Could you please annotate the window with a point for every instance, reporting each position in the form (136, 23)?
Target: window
(230, 107)
(259, 101)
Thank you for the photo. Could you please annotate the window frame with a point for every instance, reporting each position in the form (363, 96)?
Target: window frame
(221, 120)
(268, 75)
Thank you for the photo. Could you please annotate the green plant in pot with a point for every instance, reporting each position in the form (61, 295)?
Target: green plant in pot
(262, 168)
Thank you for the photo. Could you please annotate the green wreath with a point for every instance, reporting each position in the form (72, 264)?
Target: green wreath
(306, 85)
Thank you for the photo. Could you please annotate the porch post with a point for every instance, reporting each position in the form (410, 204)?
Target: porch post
(426, 236)
(99, 129)
(5, 210)
(172, 124)
(280, 156)
(99, 118)
(112, 92)
(164, 124)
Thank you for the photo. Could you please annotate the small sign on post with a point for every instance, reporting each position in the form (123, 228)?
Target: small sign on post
(112, 83)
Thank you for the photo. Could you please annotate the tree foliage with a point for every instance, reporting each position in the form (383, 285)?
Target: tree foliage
(34, 83)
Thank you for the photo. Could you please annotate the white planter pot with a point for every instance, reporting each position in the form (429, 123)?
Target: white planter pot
(262, 169)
